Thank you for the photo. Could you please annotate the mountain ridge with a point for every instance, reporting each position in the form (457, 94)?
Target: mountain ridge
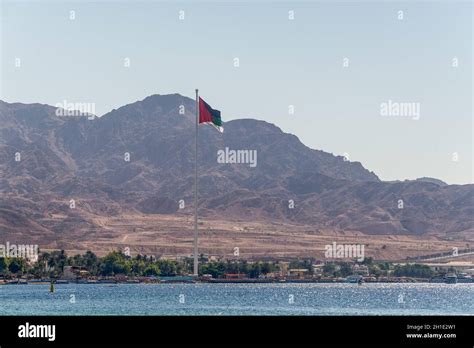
(64, 158)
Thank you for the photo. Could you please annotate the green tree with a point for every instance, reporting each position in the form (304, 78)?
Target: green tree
(346, 269)
(267, 268)
(255, 270)
(91, 262)
(16, 265)
(215, 268)
(167, 268)
(329, 269)
(413, 270)
(151, 270)
(139, 264)
(114, 263)
(56, 261)
(3, 265)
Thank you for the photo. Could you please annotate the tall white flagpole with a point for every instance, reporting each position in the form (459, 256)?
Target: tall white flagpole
(196, 189)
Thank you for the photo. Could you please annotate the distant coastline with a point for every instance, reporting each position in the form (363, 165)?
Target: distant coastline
(118, 267)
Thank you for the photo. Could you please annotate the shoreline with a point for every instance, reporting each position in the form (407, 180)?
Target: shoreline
(224, 281)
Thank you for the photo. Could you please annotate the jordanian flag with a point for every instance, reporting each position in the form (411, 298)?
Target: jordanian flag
(209, 115)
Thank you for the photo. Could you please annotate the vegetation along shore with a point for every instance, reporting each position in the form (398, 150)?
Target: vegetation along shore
(116, 266)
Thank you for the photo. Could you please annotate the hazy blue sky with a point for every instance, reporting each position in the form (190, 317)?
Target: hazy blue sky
(282, 62)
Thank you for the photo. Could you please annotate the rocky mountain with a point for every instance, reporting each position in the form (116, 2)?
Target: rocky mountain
(140, 159)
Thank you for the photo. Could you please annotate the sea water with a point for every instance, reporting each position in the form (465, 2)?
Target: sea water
(239, 299)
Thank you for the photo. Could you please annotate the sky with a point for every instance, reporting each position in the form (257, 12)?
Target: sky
(284, 64)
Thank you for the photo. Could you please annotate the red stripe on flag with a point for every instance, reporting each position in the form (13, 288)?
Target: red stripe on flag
(204, 113)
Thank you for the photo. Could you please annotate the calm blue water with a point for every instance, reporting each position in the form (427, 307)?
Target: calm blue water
(238, 299)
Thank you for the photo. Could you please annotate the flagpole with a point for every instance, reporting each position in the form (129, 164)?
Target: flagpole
(196, 190)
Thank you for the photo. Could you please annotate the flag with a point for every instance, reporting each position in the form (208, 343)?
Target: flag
(204, 114)
(209, 115)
